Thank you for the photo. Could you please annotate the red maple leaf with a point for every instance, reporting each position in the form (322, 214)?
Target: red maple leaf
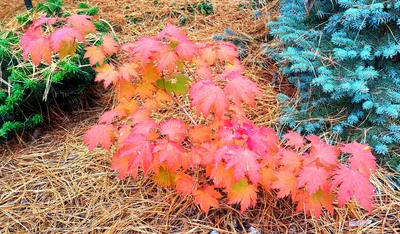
(243, 161)
(294, 139)
(315, 202)
(186, 49)
(185, 184)
(326, 154)
(361, 158)
(65, 34)
(166, 59)
(169, 152)
(108, 116)
(207, 53)
(99, 134)
(171, 30)
(352, 183)
(82, 23)
(206, 97)
(227, 52)
(39, 48)
(138, 150)
(241, 89)
(144, 47)
(314, 178)
(109, 45)
(144, 128)
(175, 129)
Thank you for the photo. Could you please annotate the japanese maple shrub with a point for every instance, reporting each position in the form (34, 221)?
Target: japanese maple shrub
(239, 157)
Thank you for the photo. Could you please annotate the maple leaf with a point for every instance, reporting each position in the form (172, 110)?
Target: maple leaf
(325, 153)
(150, 73)
(38, 47)
(109, 45)
(361, 158)
(286, 182)
(166, 59)
(186, 50)
(261, 139)
(64, 34)
(43, 19)
(165, 177)
(313, 177)
(204, 72)
(352, 183)
(175, 129)
(185, 184)
(206, 198)
(207, 152)
(244, 193)
(207, 53)
(144, 47)
(145, 90)
(124, 89)
(290, 160)
(128, 70)
(244, 162)
(222, 176)
(139, 150)
(206, 96)
(267, 177)
(144, 128)
(82, 23)
(123, 167)
(235, 67)
(162, 96)
(124, 132)
(67, 48)
(108, 116)
(127, 106)
(95, 55)
(241, 89)
(200, 133)
(140, 116)
(170, 152)
(171, 30)
(99, 134)
(227, 52)
(315, 202)
(294, 139)
(107, 74)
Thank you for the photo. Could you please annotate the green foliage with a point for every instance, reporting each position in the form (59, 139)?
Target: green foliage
(26, 91)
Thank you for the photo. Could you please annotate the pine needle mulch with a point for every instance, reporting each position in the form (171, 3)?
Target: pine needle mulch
(51, 184)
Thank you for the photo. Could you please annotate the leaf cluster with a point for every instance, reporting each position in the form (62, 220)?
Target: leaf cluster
(217, 150)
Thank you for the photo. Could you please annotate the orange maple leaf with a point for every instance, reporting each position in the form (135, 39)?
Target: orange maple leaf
(106, 73)
(95, 55)
(206, 198)
(244, 193)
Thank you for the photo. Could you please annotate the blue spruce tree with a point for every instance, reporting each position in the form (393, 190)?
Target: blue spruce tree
(344, 58)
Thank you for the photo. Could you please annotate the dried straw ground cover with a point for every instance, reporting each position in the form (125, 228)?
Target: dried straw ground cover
(52, 185)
